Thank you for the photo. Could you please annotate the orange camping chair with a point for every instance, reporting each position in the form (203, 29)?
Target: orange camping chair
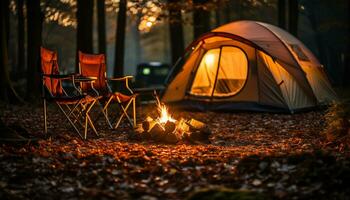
(94, 65)
(76, 107)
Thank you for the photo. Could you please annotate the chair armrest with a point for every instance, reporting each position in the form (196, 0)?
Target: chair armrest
(124, 78)
(84, 78)
(120, 78)
(87, 80)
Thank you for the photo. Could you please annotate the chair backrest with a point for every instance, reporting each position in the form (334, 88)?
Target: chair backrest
(93, 65)
(49, 66)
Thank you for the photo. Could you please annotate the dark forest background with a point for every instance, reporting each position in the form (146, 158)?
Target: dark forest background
(131, 32)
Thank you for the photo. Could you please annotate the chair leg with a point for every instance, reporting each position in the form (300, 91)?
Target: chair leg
(87, 116)
(124, 109)
(125, 112)
(85, 130)
(75, 116)
(107, 119)
(105, 111)
(118, 122)
(134, 110)
(70, 121)
(45, 116)
(92, 125)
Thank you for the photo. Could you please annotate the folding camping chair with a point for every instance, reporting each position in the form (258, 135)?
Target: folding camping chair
(94, 65)
(75, 107)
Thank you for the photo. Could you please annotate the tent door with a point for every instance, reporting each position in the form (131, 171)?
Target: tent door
(222, 72)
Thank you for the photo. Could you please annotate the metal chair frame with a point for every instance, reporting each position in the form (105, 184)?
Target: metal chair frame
(104, 105)
(120, 103)
(77, 108)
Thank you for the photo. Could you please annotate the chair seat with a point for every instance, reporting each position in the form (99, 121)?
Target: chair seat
(123, 97)
(73, 99)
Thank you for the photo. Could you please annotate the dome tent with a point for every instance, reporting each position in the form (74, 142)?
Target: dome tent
(249, 65)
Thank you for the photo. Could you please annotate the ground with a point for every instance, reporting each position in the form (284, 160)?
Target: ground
(273, 156)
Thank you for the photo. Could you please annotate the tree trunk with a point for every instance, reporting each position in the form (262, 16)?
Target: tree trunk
(34, 26)
(347, 56)
(101, 23)
(222, 12)
(20, 32)
(227, 12)
(282, 13)
(318, 36)
(120, 40)
(176, 33)
(293, 7)
(84, 27)
(7, 92)
(201, 19)
(6, 5)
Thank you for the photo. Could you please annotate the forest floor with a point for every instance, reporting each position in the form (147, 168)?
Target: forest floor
(279, 156)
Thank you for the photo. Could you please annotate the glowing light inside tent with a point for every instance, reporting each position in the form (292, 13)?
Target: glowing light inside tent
(209, 59)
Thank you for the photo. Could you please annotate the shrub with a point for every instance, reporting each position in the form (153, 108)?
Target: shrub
(337, 120)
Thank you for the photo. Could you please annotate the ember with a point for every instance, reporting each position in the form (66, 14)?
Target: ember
(166, 129)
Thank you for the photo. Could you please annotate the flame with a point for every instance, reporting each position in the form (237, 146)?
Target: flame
(164, 114)
(163, 111)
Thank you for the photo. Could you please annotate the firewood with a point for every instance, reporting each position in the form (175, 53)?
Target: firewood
(157, 131)
(170, 138)
(169, 127)
(146, 125)
(196, 125)
(139, 128)
(182, 126)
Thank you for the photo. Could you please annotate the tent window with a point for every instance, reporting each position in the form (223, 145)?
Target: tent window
(203, 83)
(230, 76)
(232, 72)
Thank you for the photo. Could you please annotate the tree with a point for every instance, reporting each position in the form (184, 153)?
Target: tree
(20, 32)
(347, 55)
(281, 13)
(84, 26)
(329, 21)
(101, 23)
(7, 92)
(6, 11)
(312, 9)
(201, 17)
(120, 39)
(222, 12)
(34, 35)
(293, 7)
(176, 31)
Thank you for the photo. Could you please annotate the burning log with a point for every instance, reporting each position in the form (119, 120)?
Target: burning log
(148, 123)
(182, 126)
(173, 131)
(169, 127)
(168, 130)
(171, 138)
(156, 132)
(195, 124)
(199, 131)
(164, 133)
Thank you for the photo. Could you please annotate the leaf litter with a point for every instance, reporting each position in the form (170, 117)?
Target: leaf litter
(279, 155)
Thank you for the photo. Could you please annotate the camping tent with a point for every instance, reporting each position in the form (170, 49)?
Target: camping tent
(248, 65)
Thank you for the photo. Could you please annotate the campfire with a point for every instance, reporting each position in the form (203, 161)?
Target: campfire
(164, 128)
